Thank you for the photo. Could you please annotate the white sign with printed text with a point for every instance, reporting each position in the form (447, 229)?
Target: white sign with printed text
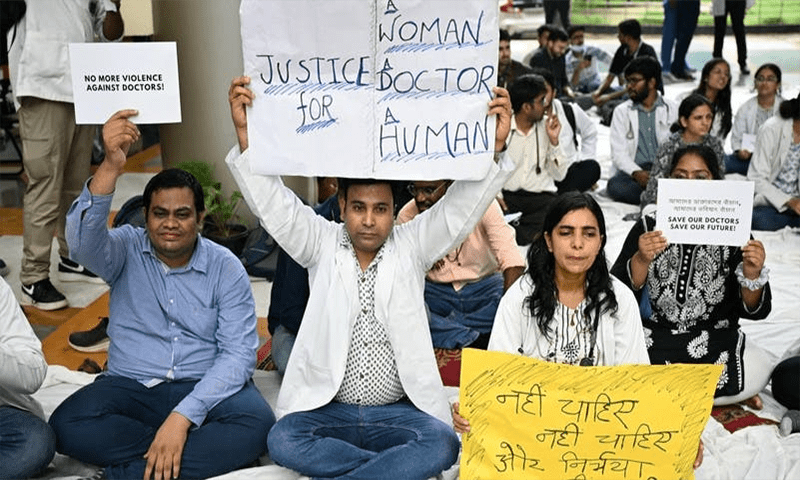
(107, 77)
(371, 88)
(708, 212)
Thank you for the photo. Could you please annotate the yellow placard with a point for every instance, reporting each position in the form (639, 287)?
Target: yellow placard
(531, 419)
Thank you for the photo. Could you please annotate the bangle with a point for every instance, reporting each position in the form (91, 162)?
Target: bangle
(752, 285)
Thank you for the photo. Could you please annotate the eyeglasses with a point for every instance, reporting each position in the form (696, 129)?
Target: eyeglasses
(633, 80)
(424, 191)
(763, 79)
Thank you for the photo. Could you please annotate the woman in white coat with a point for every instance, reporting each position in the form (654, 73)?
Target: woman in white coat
(751, 115)
(775, 169)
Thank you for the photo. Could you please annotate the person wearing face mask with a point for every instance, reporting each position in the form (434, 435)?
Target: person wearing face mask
(751, 115)
(695, 116)
(463, 289)
(699, 292)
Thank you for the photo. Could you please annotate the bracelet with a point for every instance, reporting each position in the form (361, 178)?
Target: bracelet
(752, 285)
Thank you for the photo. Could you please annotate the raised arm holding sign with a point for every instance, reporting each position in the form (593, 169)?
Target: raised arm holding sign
(698, 292)
(363, 354)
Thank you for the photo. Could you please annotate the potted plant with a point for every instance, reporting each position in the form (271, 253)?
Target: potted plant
(221, 223)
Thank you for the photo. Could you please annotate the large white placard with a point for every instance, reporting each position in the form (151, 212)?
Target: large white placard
(708, 212)
(107, 77)
(371, 88)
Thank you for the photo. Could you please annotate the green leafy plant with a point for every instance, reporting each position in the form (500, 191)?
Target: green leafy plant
(220, 210)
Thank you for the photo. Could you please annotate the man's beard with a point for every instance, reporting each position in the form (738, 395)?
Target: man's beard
(639, 96)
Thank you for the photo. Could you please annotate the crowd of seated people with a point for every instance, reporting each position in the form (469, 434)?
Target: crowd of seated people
(374, 359)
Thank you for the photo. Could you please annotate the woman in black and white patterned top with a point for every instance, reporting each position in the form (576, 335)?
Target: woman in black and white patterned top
(698, 293)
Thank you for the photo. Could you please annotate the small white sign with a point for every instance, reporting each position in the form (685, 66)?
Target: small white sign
(749, 142)
(107, 77)
(705, 212)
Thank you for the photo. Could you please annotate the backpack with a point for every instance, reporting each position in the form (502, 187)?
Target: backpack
(260, 254)
(131, 213)
(571, 119)
(11, 13)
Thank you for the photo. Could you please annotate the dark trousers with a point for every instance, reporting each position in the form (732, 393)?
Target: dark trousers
(688, 11)
(736, 9)
(534, 205)
(112, 422)
(553, 6)
(786, 383)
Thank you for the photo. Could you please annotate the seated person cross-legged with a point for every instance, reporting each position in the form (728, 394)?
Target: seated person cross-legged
(27, 443)
(536, 149)
(463, 288)
(752, 115)
(775, 169)
(362, 396)
(178, 399)
(567, 308)
(638, 126)
(698, 293)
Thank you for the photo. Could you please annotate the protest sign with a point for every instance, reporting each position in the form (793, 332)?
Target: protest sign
(707, 212)
(107, 77)
(531, 419)
(371, 88)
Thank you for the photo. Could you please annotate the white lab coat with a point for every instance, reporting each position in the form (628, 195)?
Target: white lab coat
(772, 144)
(620, 337)
(587, 133)
(624, 134)
(317, 364)
(745, 120)
(22, 364)
(39, 62)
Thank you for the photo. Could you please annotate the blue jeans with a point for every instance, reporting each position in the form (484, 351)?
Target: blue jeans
(767, 218)
(282, 344)
(686, 22)
(457, 318)
(623, 188)
(27, 443)
(735, 165)
(373, 443)
(112, 422)
(668, 33)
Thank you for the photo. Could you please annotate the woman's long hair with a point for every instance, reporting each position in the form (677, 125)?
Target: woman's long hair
(686, 108)
(722, 104)
(541, 266)
(790, 109)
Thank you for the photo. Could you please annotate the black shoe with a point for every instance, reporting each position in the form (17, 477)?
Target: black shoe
(744, 70)
(685, 76)
(94, 340)
(3, 268)
(69, 271)
(43, 295)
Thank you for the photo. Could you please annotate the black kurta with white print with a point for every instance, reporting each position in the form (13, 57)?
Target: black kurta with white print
(696, 302)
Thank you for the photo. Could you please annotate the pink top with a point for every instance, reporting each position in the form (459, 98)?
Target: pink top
(490, 248)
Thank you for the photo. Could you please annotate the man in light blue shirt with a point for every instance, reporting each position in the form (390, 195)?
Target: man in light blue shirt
(177, 398)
